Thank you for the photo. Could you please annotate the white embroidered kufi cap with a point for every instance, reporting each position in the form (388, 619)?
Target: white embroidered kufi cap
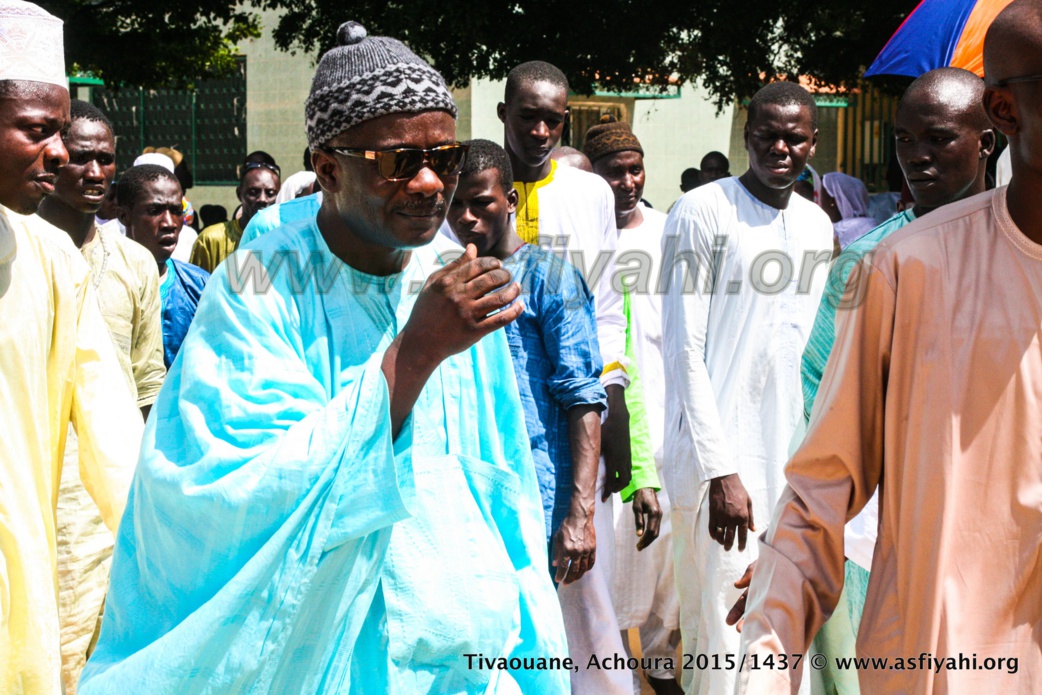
(31, 44)
(155, 158)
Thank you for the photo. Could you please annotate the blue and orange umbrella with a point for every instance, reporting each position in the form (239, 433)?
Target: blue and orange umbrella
(939, 33)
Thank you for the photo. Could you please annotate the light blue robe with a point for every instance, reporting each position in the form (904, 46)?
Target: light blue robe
(278, 540)
(274, 216)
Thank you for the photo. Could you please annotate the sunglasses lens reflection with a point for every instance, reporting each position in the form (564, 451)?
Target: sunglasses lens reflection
(404, 164)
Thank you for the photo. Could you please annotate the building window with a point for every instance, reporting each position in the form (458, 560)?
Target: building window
(207, 124)
(583, 114)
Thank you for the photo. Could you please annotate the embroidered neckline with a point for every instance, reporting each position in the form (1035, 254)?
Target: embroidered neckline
(96, 277)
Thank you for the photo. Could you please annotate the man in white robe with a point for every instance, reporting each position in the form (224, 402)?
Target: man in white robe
(571, 211)
(126, 283)
(643, 588)
(745, 263)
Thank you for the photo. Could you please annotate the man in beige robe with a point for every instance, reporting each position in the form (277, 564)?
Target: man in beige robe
(933, 394)
(126, 282)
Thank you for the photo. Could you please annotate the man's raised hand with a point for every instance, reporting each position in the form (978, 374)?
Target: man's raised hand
(455, 307)
(451, 314)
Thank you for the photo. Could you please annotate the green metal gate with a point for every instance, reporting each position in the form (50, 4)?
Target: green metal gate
(207, 124)
(866, 136)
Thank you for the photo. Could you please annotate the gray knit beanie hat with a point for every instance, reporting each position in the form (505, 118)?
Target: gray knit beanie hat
(364, 77)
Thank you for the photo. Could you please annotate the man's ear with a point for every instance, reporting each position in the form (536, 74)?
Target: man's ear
(813, 144)
(327, 170)
(238, 191)
(123, 215)
(987, 143)
(1001, 109)
(512, 199)
(501, 111)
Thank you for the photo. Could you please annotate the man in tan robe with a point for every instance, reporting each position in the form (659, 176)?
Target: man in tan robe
(126, 282)
(933, 394)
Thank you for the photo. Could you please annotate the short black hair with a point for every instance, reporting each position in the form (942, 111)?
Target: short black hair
(718, 158)
(783, 93)
(483, 155)
(259, 157)
(212, 214)
(531, 72)
(133, 180)
(689, 177)
(83, 110)
(954, 87)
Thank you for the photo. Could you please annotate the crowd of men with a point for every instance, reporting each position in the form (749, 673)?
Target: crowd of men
(460, 417)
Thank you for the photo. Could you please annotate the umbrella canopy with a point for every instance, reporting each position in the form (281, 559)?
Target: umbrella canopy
(939, 33)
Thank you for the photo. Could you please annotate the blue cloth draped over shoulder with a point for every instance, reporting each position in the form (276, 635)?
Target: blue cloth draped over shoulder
(836, 295)
(180, 291)
(278, 539)
(275, 216)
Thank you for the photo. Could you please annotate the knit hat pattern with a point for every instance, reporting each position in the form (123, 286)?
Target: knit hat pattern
(365, 77)
(608, 137)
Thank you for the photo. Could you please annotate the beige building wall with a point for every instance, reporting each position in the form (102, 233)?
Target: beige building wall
(277, 83)
(739, 157)
(675, 133)
(485, 95)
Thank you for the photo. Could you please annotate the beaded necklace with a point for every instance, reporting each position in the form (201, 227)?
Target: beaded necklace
(96, 277)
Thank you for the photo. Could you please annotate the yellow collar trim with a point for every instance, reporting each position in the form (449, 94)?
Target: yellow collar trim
(527, 216)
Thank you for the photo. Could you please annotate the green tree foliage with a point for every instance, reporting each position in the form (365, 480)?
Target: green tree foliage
(732, 46)
(152, 43)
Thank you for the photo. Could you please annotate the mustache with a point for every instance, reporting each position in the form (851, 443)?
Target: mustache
(438, 207)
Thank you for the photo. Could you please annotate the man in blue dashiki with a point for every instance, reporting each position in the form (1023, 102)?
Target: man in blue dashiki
(556, 358)
(149, 203)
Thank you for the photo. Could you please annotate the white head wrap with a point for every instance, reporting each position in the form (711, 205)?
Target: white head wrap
(156, 158)
(851, 196)
(31, 45)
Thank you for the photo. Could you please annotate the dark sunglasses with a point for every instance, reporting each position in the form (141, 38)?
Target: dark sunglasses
(405, 162)
(261, 165)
